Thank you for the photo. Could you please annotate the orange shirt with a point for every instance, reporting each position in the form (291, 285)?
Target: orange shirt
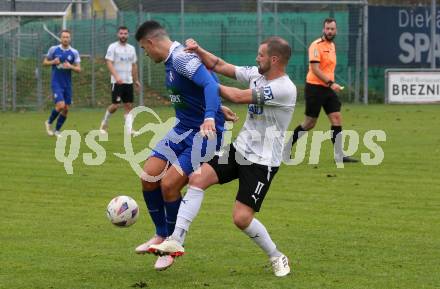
(324, 52)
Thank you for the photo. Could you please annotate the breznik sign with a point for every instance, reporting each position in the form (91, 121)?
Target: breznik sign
(412, 86)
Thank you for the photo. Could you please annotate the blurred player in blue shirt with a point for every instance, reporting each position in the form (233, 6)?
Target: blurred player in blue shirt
(63, 59)
(194, 93)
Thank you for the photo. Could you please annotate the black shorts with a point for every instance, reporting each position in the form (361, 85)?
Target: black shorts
(318, 96)
(253, 179)
(122, 93)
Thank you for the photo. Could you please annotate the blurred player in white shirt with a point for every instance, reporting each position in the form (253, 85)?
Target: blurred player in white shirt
(121, 62)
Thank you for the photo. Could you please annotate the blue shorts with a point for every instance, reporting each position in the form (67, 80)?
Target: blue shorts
(62, 94)
(186, 149)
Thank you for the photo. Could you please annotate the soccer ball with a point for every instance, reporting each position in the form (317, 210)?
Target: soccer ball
(122, 211)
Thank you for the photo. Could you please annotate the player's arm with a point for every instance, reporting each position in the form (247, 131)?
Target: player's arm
(134, 74)
(49, 59)
(236, 95)
(48, 62)
(211, 61)
(76, 67)
(113, 72)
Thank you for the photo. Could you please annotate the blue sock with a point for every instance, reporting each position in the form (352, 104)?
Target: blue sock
(155, 205)
(53, 116)
(171, 210)
(60, 122)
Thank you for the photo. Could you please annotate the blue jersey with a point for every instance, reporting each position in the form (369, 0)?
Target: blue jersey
(193, 91)
(62, 78)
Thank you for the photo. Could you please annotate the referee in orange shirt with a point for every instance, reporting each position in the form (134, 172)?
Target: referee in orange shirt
(321, 88)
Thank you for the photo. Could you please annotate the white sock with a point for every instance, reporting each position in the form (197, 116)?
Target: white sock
(258, 233)
(107, 115)
(188, 210)
(128, 122)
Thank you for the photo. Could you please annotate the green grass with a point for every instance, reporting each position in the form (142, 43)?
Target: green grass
(362, 227)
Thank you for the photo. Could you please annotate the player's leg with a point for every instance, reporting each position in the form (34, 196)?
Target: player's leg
(64, 109)
(332, 107)
(112, 108)
(254, 182)
(214, 171)
(154, 166)
(189, 208)
(127, 99)
(59, 105)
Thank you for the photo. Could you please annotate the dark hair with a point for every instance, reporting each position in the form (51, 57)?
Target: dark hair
(122, 28)
(65, 31)
(328, 20)
(277, 46)
(150, 29)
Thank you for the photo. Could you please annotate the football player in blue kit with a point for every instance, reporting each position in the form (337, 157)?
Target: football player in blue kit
(64, 59)
(194, 93)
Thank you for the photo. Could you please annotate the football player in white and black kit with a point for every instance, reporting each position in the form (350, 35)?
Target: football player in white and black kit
(121, 62)
(256, 154)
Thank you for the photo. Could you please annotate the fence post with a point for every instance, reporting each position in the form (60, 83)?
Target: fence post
(433, 32)
(365, 30)
(4, 71)
(140, 60)
(38, 74)
(14, 73)
(182, 20)
(259, 22)
(92, 57)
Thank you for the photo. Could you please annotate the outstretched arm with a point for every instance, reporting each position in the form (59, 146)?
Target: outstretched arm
(237, 95)
(211, 61)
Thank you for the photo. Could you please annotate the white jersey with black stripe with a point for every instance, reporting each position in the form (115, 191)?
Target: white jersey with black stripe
(262, 137)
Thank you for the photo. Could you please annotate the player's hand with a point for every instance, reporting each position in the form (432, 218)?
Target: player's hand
(137, 86)
(229, 114)
(119, 80)
(336, 87)
(67, 65)
(191, 45)
(207, 129)
(56, 61)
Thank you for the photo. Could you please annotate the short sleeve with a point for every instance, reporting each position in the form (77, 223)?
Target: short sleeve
(134, 56)
(50, 53)
(314, 55)
(280, 94)
(110, 55)
(245, 73)
(186, 64)
(76, 58)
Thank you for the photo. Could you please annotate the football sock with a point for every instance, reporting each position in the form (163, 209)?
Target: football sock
(258, 233)
(189, 208)
(296, 134)
(107, 116)
(156, 209)
(128, 122)
(53, 116)
(337, 129)
(171, 209)
(60, 122)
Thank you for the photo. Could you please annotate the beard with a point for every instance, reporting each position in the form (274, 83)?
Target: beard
(262, 69)
(122, 39)
(329, 37)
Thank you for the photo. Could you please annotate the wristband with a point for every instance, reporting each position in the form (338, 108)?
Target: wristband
(330, 83)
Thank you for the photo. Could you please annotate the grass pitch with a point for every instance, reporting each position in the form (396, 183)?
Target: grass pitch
(357, 227)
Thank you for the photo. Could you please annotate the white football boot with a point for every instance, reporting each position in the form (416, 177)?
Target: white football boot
(163, 262)
(280, 265)
(48, 127)
(103, 129)
(168, 247)
(143, 248)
